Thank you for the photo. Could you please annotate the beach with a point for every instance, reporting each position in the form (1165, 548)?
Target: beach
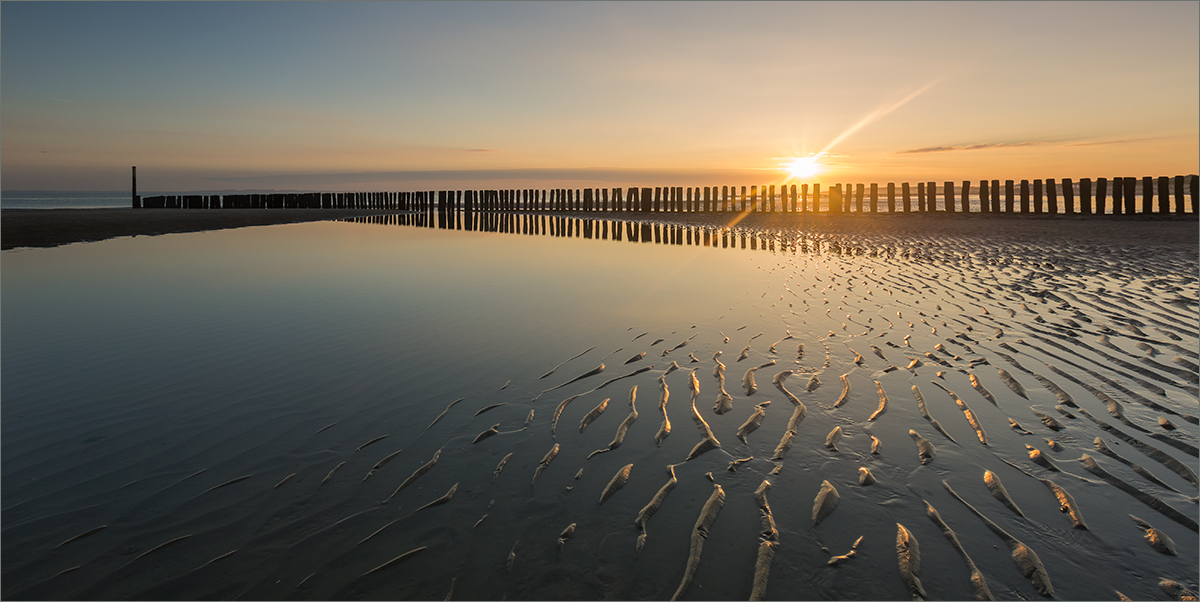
(580, 407)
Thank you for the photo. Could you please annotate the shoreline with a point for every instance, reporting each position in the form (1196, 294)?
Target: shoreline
(53, 227)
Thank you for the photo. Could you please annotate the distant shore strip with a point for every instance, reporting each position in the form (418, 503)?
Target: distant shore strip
(1129, 196)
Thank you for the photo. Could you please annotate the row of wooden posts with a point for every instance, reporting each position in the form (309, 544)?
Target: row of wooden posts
(1033, 198)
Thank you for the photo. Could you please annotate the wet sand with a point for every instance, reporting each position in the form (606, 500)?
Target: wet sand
(53, 227)
(1049, 355)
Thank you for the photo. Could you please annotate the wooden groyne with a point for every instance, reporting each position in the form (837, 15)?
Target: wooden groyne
(1129, 196)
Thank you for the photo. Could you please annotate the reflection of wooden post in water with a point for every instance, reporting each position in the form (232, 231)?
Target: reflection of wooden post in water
(948, 196)
(1101, 196)
(1037, 197)
(1051, 197)
(1130, 193)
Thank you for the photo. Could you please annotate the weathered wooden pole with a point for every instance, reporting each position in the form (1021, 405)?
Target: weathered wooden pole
(920, 197)
(906, 193)
(794, 198)
(136, 200)
(1024, 196)
(1164, 196)
(984, 200)
(948, 196)
(891, 197)
(1101, 196)
(1118, 186)
(931, 197)
(1037, 197)
(1051, 197)
(1148, 195)
(1179, 194)
(1130, 193)
(874, 198)
(1068, 190)
(802, 202)
(816, 198)
(1009, 200)
(858, 197)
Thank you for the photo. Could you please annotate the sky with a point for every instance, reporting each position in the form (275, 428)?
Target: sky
(321, 96)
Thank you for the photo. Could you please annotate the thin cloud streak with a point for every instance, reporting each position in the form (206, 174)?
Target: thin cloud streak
(966, 147)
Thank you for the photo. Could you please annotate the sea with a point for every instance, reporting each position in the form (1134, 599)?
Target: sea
(64, 199)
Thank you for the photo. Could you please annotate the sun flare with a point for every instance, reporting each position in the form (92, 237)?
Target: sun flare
(804, 167)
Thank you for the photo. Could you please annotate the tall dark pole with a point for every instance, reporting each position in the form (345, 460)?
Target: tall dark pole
(137, 202)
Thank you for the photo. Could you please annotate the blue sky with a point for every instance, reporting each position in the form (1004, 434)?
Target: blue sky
(396, 95)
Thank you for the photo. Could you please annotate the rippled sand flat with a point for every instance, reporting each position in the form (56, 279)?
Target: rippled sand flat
(331, 447)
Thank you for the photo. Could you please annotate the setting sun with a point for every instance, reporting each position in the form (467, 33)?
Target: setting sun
(804, 167)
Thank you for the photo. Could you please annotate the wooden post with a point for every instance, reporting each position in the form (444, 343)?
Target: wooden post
(136, 201)
(794, 199)
(920, 197)
(931, 197)
(907, 197)
(1164, 196)
(891, 197)
(1178, 195)
(1131, 191)
(1024, 196)
(948, 196)
(816, 198)
(1118, 185)
(1051, 197)
(984, 201)
(1068, 190)
(1037, 197)
(1101, 196)
(801, 205)
(647, 199)
(1148, 195)
(858, 197)
(966, 196)
(1009, 205)
(874, 198)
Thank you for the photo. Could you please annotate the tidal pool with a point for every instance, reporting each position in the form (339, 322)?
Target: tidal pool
(232, 414)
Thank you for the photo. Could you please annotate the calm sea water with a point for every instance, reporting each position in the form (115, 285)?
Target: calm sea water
(44, 199)
(216, 413)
